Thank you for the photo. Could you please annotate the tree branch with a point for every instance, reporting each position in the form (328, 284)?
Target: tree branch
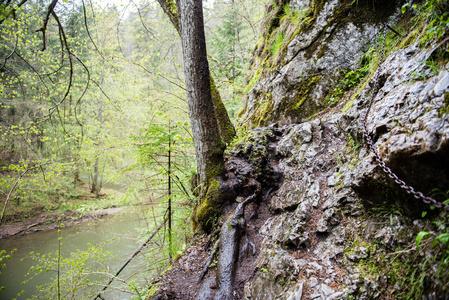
(50, 9)
(131, 257)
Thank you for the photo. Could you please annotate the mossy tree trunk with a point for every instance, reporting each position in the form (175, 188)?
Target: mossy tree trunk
(226, 129)
(210, 122)
(209, 146)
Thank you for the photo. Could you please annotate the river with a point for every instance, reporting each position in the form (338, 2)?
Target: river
(123, 228)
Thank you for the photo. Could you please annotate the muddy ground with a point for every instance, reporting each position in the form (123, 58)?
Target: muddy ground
(50, 221)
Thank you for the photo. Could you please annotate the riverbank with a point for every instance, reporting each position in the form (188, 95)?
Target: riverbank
(53, 220)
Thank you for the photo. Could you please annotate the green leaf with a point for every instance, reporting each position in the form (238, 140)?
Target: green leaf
(434, 243)
(419, 238)
(444, 238)
(404, 8)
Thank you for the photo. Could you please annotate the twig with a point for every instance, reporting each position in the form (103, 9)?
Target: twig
(12, 11)
(131, 257)
(43, 29)
(12, 189)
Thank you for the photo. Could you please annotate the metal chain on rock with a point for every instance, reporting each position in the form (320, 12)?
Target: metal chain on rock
(409, 189)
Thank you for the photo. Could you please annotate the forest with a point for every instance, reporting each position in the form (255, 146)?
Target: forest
(93, 107)
(226, 149)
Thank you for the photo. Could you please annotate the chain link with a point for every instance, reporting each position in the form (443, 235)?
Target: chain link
(409, 189)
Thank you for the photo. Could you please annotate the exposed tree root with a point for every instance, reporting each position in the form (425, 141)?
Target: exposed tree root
(245, 247)
(229, 243)
(209, 261)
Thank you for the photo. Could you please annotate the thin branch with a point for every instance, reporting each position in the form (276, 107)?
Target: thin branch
(18, 79)
(10, 54)
(106, 95)
(13, 187)
(84, 91)
(43, 29)
(160, 75)
(171, 105)
(88, 32)
(143, 24)
(118, 27)
(64, 38)
(32, 68)
(220, 65)
(131, 257)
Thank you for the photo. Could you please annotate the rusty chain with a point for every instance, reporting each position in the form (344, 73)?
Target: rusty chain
(409, 189)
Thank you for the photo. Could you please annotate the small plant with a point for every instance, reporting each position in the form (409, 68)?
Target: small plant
(74, 275)
(3, 258)
(386, 210)
(278, 43)
(350, 81)
(435, 13)
(295, 16)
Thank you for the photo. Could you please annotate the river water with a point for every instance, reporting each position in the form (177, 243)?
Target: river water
(123, 228)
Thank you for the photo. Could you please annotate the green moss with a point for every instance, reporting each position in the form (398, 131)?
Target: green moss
(284, 23)
(262, 116)
(227, 130)
(253, 81)
(278, 43)
(296, 105)
(445, 109)
(214, 163)
(209, 208)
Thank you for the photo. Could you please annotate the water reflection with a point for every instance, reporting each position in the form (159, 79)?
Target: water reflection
(122, 228)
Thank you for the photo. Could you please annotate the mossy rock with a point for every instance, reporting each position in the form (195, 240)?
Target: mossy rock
(299, 102)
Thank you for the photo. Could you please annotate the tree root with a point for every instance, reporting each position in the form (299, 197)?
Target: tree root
(231, 233)
(229, 243)
(209, 261)
(245, 247)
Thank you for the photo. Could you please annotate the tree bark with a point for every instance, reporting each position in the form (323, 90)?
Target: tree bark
(227, 130)
(209, 146)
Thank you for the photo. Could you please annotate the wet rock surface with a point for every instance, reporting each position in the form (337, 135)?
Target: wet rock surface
(323, 227)
(316, 59)
(327, 213)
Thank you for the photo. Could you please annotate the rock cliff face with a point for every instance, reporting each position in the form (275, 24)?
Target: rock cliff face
(307, 47)
(330, 223)
(337, 219)
(340, 228)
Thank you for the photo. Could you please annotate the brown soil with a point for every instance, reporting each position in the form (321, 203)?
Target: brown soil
(49, 221)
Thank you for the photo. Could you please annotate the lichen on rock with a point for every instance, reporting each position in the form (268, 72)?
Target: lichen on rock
(329, 41)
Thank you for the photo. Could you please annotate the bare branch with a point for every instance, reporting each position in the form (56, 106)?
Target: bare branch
(106, 95)
(132, 256)
(10, 54)
(18, 79)
(160, 75)
(13, 188)
(142, 22)
(50, 9)
(64, 38)
(88, 32)
(32, 68)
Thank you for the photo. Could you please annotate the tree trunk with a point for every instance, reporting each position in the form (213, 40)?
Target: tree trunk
(209, 146)
(96, 186)
(227, 130)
